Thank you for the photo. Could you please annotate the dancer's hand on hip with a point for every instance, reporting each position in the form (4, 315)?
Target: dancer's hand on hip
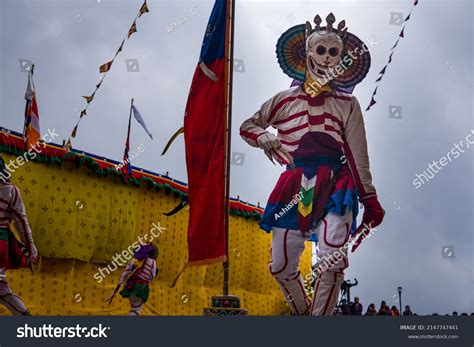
(268, 141)
(273, 150)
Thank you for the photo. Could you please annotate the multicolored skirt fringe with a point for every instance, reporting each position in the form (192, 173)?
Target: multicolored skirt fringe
(11, 251)
(136, 288)
(4, 248)
(320, 183)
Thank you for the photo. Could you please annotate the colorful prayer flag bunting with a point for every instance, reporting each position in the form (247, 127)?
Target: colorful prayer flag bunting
(74, 132)
(133, 29)
(144, 9)
(382, 72)
(89, 98)
(105, 68)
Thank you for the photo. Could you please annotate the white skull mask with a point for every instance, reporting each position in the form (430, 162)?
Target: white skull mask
(323, 53)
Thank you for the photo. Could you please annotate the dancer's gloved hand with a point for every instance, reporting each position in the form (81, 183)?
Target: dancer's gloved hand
(373, 216)
(273, 150)
(267, 141)
(33, 253)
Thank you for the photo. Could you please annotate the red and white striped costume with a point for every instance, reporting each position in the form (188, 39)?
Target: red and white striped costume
(13, 209)
(294, 113)
(146, 272)
(143, 274)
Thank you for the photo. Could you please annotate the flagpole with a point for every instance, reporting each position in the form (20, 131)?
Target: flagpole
(130, 120)
(230, 75)
(26, 107)
(130, 117)
(128, 136)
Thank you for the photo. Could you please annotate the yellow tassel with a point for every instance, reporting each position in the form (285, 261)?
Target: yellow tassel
(175, 135)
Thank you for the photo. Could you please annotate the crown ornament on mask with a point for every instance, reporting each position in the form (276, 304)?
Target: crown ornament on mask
(329, 28)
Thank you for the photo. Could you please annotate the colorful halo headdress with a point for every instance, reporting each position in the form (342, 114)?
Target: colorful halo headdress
(291, 54)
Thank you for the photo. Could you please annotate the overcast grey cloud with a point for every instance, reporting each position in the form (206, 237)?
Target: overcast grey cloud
(430, 78)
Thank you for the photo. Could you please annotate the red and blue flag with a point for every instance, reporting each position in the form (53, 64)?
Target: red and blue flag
(204, 132)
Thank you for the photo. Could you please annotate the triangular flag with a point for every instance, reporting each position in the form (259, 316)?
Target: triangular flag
(402, 34)
(379, 79)
(143, 9)
(89, 98)
(383, 70)
(140, 120)
(416, 3)
(372, 103)
(390, 58)
(106, 67)
(408, 17)
(133, 29)
(74, 131)
(83, 113)
(375, 91)
(68, 146)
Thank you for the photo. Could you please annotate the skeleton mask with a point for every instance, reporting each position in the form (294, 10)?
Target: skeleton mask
(323, 53)
(324, 48)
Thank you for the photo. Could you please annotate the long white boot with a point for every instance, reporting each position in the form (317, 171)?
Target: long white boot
(12, 301)
(326, 292)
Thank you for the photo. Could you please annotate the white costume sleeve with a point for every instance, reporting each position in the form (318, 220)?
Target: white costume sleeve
(126, 271)
(255, 126)
(356, 152)
(21, 222)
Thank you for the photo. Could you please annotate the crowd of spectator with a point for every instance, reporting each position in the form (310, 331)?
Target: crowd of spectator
(355, 308)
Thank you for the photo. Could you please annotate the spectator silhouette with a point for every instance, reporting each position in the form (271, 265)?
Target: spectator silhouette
(383, 310)
(356, 307)
(371, 310)
(407, 311)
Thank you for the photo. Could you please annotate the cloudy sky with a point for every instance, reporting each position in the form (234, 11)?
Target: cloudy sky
(430, 79)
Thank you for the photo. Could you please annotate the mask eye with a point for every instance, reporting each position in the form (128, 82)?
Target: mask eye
(333, 51)
(321, 50)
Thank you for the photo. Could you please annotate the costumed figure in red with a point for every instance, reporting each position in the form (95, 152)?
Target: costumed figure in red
(321, 139)
(17, 249)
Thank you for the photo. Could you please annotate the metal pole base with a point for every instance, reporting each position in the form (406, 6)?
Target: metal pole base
(225, 305)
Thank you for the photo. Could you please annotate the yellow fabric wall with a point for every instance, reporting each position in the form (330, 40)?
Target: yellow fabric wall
(80, 221)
